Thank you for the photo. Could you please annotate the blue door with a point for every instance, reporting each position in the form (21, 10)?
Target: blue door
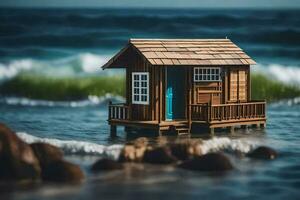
(175, 94)
(169, 102)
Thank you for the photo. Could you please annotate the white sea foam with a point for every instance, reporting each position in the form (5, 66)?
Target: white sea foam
(85, 63)
(88, 148)
(14, 68)
(76, 147)
(286, 74)
(90, 101)
(216, 144)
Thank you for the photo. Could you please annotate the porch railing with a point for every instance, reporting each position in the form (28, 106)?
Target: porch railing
(225, 112)
(118, 111)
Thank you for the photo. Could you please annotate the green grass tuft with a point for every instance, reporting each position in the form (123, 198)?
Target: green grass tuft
(272, 90)
(57, 89)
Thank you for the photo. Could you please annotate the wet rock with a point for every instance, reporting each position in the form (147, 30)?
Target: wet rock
(17, 159)
(134, 151)
(140, 142)
(127, 154)
(106, 164)
(209, 162)
(159, 155)
(46, 153)
(62, 171)
(263, 152)
(185, 150)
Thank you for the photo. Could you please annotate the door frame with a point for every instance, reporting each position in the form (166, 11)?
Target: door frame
(184, 90)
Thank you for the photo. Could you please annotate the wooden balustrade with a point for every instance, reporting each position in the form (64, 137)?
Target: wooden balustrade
(118, 111)
(223, 112)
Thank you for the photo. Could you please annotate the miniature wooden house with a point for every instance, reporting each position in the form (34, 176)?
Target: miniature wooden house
(183, 85)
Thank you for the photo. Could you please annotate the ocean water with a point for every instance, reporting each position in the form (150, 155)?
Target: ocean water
(71, 43)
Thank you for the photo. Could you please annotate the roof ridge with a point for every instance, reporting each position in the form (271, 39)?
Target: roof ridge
(178, 39)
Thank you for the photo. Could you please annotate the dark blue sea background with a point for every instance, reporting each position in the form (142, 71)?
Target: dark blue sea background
(76, 42)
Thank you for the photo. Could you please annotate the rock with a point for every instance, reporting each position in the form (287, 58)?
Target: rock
(140, 142)
(208, 162)
(106, 164)
(127, 154)
(46, 153)
(134, 151)
(62, 171)
(185, 150)
(263, 152)
(17, 159)
(159, 155)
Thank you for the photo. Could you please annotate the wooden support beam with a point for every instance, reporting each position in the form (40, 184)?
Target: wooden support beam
(244, 126)
(212, 131)
(231, 129)
(113, 130)
(263, 125)
(159, 133)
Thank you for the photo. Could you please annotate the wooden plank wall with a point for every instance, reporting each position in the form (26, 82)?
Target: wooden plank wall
(235, 86)
(202, 91)
(138, 64)
(155, 110)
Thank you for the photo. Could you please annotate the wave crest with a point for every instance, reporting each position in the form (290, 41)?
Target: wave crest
(216, 144)
(76, 147)
(90, 101)
(85, 63)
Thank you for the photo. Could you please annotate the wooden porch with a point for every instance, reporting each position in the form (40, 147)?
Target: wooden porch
(207, 115)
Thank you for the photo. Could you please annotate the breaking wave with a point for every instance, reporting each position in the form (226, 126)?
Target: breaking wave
(81, 64)
(90, 101)
(76, 147)
(88, 148)
(286, 74)
(216, 144)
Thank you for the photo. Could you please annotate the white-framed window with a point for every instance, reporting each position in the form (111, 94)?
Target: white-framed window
(140, 88)
(202, 74)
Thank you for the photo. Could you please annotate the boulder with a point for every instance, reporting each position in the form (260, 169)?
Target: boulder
(46, 153)
(209, 162)
(62, 171)
(159, 155)
(17, 159)
(134, 151)
(263, 152)
(127, 154)
(106, 164)
(185, 150)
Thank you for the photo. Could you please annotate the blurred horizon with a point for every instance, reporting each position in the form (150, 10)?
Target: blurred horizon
(155, 4)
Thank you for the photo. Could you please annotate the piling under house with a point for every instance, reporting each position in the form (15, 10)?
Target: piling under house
(185, 86)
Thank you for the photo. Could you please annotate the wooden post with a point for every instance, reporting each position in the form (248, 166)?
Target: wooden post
(113, 130)
(212, 131)
(244, 126)
(159, 131)
(231, 129)
(263, 125)
(109, 109)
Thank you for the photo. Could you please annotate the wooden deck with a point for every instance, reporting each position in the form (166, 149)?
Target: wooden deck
(205, 115)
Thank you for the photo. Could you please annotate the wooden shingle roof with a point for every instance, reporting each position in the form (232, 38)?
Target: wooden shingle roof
(190, 52)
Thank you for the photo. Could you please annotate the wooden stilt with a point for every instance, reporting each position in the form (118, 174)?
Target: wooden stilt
(127, 129)
(263, 125)
(113, 131)
(211, 131)
(231, 129)
(257, 125)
